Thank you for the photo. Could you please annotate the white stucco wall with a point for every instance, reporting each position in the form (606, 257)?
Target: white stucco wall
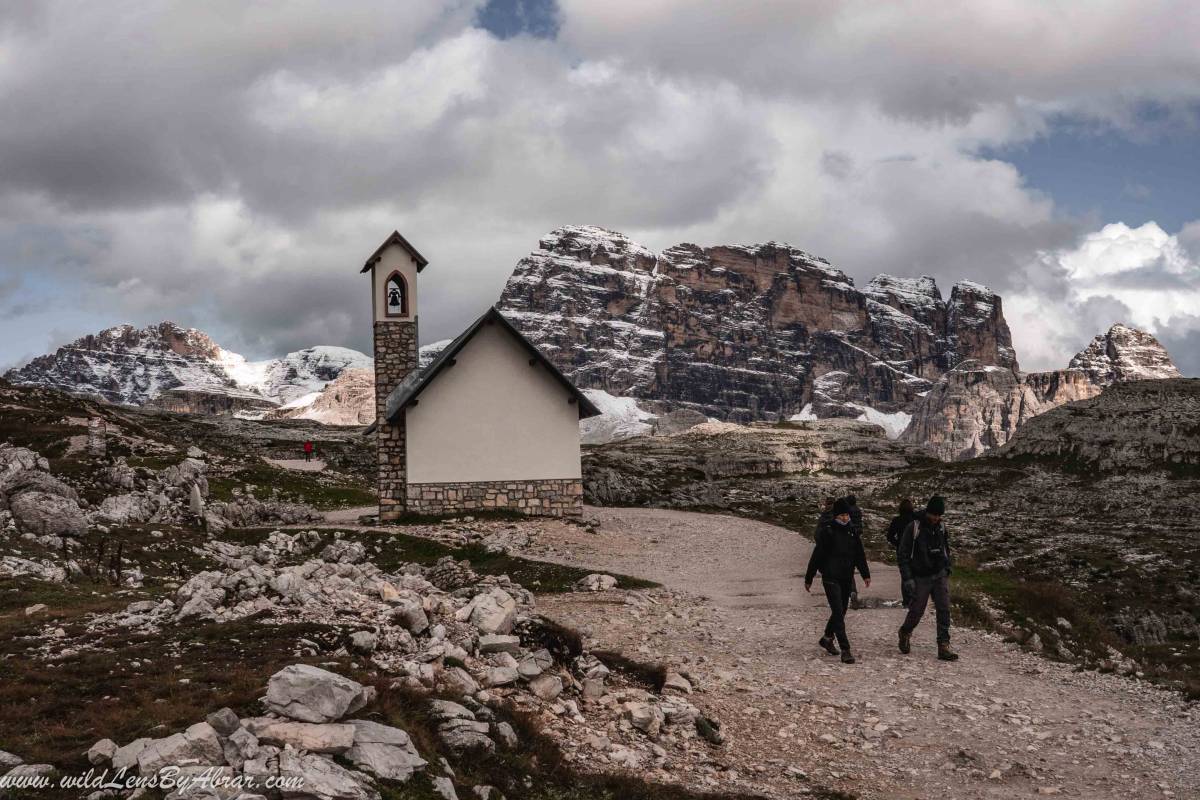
(493, 417)
(393, 258)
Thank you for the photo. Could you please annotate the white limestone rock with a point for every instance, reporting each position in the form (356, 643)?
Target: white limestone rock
(321, 779)
(384, 751)
(311, 694)
(493, 612)
(308, 736)
(102, 752)
(198, 745)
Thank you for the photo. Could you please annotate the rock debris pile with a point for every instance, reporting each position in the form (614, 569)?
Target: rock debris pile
(441, 627)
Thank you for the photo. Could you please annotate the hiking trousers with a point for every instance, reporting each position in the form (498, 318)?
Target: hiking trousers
(905, 595)
(939, 588)
(837, 594)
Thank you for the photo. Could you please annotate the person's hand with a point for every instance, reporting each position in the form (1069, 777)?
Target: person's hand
(808, 587)
(867, 581)
(910, 586)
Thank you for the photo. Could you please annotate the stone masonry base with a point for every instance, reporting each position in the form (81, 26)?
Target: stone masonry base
(549, 498)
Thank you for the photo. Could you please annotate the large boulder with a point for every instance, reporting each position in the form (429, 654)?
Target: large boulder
(384, 751)
(198, 745)
(308, 776)
(311, 694)
(493, 612)
(125, 509)
(45, 514)
(30, 481)
(185, 475)
(313, 737)
(20, 459)
(119, 475)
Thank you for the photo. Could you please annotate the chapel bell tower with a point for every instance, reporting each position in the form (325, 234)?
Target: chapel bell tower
(394, 268)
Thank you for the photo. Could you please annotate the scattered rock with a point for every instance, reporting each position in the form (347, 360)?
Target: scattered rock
(596, 582)
(102, 752)
(311, 694)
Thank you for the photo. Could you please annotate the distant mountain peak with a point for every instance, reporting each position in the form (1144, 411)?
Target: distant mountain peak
(1124, 353)
(129, 365)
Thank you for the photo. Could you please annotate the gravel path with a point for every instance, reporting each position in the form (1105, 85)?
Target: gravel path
(999, 723)
(298, 464)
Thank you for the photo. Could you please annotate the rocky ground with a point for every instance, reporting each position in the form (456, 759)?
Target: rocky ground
(1044, 532)
(142, 612)
(732, 615)
(127, 628)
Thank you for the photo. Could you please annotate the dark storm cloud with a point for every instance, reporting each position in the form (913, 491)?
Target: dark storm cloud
(230, 164)
(942, 63)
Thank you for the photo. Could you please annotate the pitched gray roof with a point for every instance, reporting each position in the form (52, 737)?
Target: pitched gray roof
(406, 393)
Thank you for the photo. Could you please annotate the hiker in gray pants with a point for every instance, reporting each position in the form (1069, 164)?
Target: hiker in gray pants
(925, 566)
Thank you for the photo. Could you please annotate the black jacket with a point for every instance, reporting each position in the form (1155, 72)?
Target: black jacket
(856, 520)
(838, 551)
(924, 550)
(896, 528)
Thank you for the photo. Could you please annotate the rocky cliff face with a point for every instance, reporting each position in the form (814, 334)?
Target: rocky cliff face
(1136, 425)
(347, 400)
(134, 366)
(184, 400)
(974, 407)
(725, 465)
(744, 332)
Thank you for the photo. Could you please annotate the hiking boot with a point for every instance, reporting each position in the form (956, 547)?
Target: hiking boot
(945, 653)
(847, 658)
(827, 643)
(905, 641)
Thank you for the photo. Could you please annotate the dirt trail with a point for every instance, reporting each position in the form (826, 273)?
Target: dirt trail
(298, 464)
(999, 723)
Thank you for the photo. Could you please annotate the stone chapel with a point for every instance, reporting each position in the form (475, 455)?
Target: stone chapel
(490, 423)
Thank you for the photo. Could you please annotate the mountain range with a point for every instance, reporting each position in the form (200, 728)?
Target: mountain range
(179, 367)
(733, 332)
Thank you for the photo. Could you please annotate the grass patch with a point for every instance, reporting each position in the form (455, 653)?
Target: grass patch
(1034, 605)
(320, 491)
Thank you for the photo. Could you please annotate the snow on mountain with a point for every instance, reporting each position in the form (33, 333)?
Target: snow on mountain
(976, 407)
(620, 418)
(296, 374)
(427, 353)
(347, 400)
(135, 366)
(893, 424)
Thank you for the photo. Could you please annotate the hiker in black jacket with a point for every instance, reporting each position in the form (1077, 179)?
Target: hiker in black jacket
(925, 569)
(895, 530)
(838, 551)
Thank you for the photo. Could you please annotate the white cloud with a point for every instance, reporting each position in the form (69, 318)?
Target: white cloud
(232, 166)
(1140, 276)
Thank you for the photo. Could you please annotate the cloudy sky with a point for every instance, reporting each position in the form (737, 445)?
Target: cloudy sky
(230, 165)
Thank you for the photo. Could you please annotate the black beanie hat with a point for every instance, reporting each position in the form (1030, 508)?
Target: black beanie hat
(936, 505)
(841, 507)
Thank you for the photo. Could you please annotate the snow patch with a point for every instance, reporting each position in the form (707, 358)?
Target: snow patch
(893, 424)
(619, 418)
(806, 415)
